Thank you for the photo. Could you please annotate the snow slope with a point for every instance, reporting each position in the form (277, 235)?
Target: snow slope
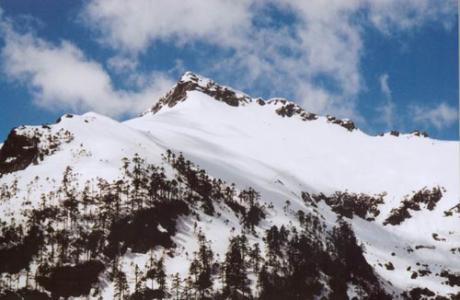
(282, 156)
(252, 144)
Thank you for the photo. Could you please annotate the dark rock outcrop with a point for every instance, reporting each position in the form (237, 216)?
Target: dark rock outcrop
(349, 204)
(453, 279)
(23, 294)
(191, 82)
(140, 231)
(425, 196)
(289, 109)
(16, 257)
(394, 133)
(420, 133)
(18, 152)
(70, 281)
(28, 145)
(345, 123)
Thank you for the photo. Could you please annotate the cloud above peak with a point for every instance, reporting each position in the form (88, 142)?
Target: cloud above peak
(306, 50)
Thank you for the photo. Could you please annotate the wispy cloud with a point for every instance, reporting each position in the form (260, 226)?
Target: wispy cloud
(440, 116)
(384, 86)
(313, 56)
(387, 108)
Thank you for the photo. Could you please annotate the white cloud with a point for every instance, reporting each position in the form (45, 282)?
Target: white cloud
(314, 57)
(387, 108)
(384, 86)
(62, 77)
(122, 64)
(324, 41)
(441, 116)
(133, 25)
(391, 15)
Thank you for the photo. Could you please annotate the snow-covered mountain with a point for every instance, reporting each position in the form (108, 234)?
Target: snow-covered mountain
(214, 194)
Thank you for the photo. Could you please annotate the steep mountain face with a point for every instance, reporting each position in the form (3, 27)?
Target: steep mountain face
(212, 194)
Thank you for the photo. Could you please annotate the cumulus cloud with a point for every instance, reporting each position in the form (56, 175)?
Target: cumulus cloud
(133, 25)
(441, 116)
(313, 56)
(60, 76)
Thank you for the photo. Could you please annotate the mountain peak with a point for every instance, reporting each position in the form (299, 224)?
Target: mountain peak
(190, 81)
(190, 76)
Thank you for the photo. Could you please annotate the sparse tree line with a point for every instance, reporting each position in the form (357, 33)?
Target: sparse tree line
(89, 226)
(80, 234)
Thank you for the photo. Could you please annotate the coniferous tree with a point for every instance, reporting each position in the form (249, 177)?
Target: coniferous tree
(137, 278)
(188, 288)
(138, 182)
(265, 284)
(156, 272)
(203, 263)
(200, 269)
(176, 286)
(150, 269)
(161, 275)
(156, 183)
(255, 257)
(236, 277)
(121, 284)
(255, 213)
(70, 202)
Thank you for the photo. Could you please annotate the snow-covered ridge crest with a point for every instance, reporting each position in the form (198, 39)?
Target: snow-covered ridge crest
(193, 82)
(190, 81)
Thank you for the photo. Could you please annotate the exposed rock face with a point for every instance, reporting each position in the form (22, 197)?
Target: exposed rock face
(27, 145)
(346, 123)
(394, 133)
(192, 82)
(349, 204)
(453, 279)
(289, 109)
(18, 152)
(452, 210)
(420, 133)
(425, 196)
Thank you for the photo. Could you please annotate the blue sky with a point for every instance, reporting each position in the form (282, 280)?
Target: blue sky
(384, 63)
